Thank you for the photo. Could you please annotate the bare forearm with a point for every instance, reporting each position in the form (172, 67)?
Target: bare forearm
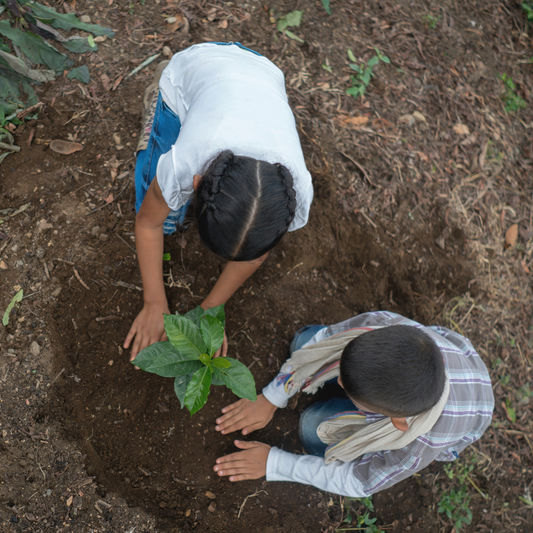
(233, 276)
(150, 253)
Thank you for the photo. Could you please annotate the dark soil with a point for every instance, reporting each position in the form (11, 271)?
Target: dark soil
(111, 444)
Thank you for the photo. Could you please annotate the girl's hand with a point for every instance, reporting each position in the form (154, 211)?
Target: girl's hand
(223, 350)
(246, 414)
(147, 328)
(249, 464)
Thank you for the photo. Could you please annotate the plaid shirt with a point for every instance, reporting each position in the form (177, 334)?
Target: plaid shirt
(465, 417)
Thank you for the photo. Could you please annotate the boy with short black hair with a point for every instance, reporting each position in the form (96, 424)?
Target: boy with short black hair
(414, 394)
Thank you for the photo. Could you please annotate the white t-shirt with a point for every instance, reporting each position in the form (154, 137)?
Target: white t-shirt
(228, 98)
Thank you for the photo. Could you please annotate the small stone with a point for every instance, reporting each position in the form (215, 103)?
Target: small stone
(19, 264)
(3, 265)
(10, 338)
(407, 119)
(56, 292)
(104, 237)
(162, 504)
(35, 349)
(273, 511)
(23, 462)
(210, 495)
(167, 51)
(212, 507)
(171, 20)
(86, 19)
(95, 230)
(15, 248)
(40, 253)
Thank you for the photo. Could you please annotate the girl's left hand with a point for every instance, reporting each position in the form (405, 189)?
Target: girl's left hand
(248, 464)
(223, 350)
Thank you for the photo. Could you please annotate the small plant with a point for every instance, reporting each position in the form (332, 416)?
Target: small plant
(187, 356)
(290, 20)
(15, 300)
(325, 5)
(363, 522)
(455, 501)
(512, 101)
(364, 71)
(431, 20)
(528, 8)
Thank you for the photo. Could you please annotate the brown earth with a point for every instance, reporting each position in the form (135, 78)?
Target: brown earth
(90, 444)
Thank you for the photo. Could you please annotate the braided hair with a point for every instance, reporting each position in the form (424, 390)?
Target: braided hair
(244, 206)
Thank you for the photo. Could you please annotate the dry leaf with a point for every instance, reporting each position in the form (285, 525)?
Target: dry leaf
(223, 24)
(354, 121)
(69, 501)
(524, 266)
(422, 156)
(418, 116)
(65, 147)
(511, 235)
(461, 129)
(407, 119)
(106, 82)
(109, 199)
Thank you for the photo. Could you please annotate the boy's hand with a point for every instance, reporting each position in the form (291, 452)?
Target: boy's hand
(249, 464)
(147, 328)
(246, 414)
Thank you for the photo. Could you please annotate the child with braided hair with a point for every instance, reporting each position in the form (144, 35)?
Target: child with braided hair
(218, 135)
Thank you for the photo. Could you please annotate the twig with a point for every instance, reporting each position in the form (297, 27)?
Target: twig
(295, 266)
(109, 203)
(79, 279)
(65, 261)
(256, 493)
(126, 285)
(142, 65)
(57, 377)
(360, 167)
(125, 242)
(5, 245)
(107, 318)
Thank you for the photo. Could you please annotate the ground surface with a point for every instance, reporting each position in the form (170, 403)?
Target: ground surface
(415, 187)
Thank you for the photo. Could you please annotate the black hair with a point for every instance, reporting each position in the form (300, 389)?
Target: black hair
(244, 206)
(398, 371)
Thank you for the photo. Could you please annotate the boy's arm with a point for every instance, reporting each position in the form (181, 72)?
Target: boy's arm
(148, 327)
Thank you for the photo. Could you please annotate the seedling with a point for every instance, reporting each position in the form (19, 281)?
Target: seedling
(363, 522)
(512, 101)
(431, 20)
(290, 20)
(528, 8)
(364, 71)
(15, 300)
(187, 356)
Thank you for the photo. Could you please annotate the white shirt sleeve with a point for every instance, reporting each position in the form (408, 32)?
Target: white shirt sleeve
(336, 477)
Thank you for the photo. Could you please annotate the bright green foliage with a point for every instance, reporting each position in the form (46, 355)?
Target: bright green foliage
(513, 102)
(325, 3)
(361, 521)
(187, 356)
(431, 20)
(29, 26)
(290, 20)
(455, 502)
(364, 71)
(16, 299)
(528, 8)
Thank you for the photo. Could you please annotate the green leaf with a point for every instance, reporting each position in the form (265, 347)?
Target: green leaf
(238, 378)
(354, 91)
(385, 59)
(365, 78)
(294, 18)
(205, 359)
(17, 298)
(221, 362)
(162, 359)
(166, 257)
(185, 336)
(80, 74)
(195, 315)
(373, 61)
(212, 333)
(198, 389)
(19, 66)
(90, 40)
(180, 387)
(293, 36)
(351, 57)
(35, 48)
(356, 67)
(325, 4)
(68, 21)
(218, 312)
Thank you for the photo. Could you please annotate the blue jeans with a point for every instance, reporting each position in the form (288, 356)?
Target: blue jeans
(165, 130)
(313, 416)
